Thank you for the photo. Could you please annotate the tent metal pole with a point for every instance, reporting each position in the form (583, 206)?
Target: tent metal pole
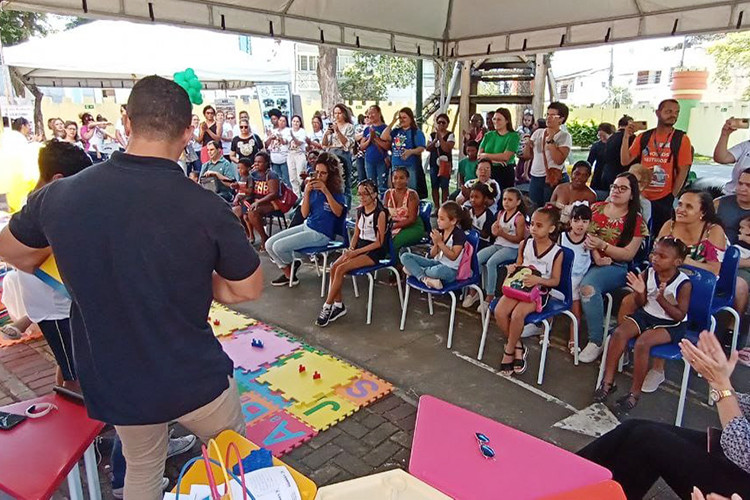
(420, 91)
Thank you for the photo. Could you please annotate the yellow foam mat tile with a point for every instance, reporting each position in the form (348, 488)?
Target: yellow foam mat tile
(324, 412)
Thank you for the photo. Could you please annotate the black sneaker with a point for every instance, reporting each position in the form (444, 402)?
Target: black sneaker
(324, 317)
(295, 267)
(284, 281)
(337, 312)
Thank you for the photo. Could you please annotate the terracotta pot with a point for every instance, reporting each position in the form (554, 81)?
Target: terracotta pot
(689, 84)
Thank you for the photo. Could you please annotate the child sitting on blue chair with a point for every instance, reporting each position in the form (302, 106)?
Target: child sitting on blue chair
(662, 294)
(367, 248)
(446, 251)
(541, 253)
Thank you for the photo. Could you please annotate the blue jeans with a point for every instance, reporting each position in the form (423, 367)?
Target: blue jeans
(281, 246)
(539, 191)
(494, 256)
(419, 267)
(378, 172)
(282, 170)
(359, 161)
(602, 280)
(117, 462)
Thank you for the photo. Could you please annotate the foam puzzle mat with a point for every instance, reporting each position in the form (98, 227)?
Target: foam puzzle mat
(289, 390)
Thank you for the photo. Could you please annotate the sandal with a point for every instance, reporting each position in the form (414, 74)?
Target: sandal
(603, 392)
(507, 368)
(519, 365)
(626, 403)
(10, 332)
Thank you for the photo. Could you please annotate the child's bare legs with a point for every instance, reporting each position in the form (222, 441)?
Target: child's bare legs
(628, 307)
(503, 312)
(338, 273)
(517, 318)
(617, 344)
(641, 353)
(255, 218)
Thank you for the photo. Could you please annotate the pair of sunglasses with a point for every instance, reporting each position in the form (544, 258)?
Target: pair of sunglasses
(484, 446)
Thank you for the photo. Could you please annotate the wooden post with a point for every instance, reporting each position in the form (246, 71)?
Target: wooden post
(540, 76)
(464, 105)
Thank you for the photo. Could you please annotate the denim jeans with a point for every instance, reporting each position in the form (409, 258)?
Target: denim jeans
(602, 280)
(494, 256)
(378, 172)
(281, 246)
(282, 170)
(117, 463)
(539, 191)
(359, 162)
(419, 267)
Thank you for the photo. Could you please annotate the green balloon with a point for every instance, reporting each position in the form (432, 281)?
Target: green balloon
(190, 73)
(198, 101)
(195, 85)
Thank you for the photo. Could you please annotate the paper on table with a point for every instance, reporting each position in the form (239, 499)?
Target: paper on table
(271, 483)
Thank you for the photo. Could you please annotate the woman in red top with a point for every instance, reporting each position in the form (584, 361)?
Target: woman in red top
(616, 232)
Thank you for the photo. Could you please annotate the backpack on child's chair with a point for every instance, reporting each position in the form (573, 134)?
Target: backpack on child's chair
(514, 288)
(464, 266)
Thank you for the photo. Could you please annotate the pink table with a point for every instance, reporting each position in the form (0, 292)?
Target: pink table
(445, 455)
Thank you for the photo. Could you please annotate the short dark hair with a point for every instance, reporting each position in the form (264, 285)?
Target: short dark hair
(403, 170)
(582, 212)
(623, 122)
(265, 156)
(18, 123)
(746, 171)
(607, 128)
(560, 108)
(246, 161)
(582, 164)
(679, 247)
(63, 158)
(472, 144)
(215, 144)
(485, 160)
(207, 107)
(443, 115)
(275, 112)
(667, 101)
(159, 108)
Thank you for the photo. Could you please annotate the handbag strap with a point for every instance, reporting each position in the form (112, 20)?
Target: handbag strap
(544, 152)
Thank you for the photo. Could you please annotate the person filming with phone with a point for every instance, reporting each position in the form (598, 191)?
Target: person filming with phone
(739, 154)
(665, 151)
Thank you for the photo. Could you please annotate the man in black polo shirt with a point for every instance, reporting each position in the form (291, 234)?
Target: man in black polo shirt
(143, 250)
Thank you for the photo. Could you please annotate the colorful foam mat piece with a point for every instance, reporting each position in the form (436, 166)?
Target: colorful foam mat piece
(290, 391)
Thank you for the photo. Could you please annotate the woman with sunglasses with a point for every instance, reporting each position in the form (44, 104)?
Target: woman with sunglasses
(246, 144)
(366, 249)
(616, 232)
(695, 223)
(500, 146)
(440, 146)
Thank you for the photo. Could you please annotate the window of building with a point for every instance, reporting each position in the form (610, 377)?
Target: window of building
(245, 44)
(563, 91)
(648, 77)
(307, 63)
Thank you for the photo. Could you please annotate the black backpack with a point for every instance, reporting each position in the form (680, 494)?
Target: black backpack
(674, 144)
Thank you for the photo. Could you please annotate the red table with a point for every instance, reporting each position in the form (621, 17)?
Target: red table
(37, 454)
(445, 455)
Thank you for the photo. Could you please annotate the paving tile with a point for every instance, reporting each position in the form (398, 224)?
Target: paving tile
(324, 437)
(380, 434)
(407, 423)
(352, 445)
(299, 452)
(401, 411)
(383, 452)
(321, 456)
(326, 474)
(385, 404)
(353, 428)
(372, 420)
(353, 465)
(402, 438)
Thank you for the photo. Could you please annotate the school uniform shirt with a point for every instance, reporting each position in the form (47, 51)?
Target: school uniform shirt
(581, 254)
(652, 307)
(140, 276)
(543, 262)
(457, 237)
(508, 225)
(483, 223)
(741, 154)
(744, 249)
(562, 139)
(321, 218)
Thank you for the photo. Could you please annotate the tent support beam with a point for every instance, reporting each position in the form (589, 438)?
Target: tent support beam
(537, 101)
(464, 105)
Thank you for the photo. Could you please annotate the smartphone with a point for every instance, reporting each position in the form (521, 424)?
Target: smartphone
(640, 125)
(713, 442)
(741, 122)
(10, 420)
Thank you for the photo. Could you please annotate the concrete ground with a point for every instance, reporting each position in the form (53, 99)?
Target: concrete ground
(416, 362)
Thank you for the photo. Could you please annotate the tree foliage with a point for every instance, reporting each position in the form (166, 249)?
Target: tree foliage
(619, 97)
(583, 133)
(371, 75)
(17, 27)
(732, 58)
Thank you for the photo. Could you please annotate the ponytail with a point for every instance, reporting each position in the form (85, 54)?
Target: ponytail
(455, 212)
(553, 215)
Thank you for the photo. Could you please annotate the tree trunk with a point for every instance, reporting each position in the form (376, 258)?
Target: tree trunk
(19, 85)
(329, 85)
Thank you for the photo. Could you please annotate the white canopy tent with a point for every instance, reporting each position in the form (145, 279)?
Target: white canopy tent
(115, 54)
(446, 29)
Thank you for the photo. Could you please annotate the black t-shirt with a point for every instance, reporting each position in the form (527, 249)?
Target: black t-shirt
(246, 148)
(612, 165)
(207, 138)
(136, 243)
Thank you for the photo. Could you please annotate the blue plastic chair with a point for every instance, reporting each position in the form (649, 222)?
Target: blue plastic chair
(425, 211)
(340, 242)
(450, 289)
(553, 308)
(370, 271)
(698, 319)
(724, 297)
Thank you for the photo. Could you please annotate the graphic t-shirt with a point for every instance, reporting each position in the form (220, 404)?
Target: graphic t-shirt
(246, 148)
(301, 136)
(260, 182)
(657, 157)
(403, 140)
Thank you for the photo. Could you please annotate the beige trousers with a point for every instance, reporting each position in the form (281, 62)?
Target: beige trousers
(145, 446)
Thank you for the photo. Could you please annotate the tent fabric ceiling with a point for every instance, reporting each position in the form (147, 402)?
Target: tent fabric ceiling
(115, 54)
(447, 29)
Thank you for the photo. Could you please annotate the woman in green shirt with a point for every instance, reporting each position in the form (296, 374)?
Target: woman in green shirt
(500, 146)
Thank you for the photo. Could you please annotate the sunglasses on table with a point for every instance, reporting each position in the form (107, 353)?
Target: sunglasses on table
(484, 446)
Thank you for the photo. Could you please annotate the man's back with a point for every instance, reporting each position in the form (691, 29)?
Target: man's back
(136, 243)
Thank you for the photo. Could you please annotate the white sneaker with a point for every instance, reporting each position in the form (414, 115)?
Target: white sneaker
(483, 307)
(119, 492)
(590, 353)
(531, 330)
(470, 299)
(653, 380)
(180, 445)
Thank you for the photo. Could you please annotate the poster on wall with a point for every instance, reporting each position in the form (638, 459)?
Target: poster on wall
(225, 105)
(273, 95)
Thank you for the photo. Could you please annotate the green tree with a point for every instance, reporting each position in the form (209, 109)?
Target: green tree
(17, 27)
(732, 58)
(75, 22)
(371, 75)
(619, 97)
